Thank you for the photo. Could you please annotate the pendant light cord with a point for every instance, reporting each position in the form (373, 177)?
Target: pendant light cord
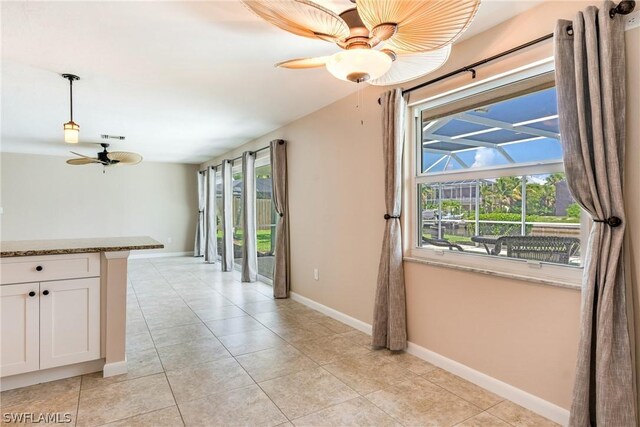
(71, 78)
(71, 98)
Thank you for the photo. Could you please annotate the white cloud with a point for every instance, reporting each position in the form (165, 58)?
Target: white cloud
(485, 157)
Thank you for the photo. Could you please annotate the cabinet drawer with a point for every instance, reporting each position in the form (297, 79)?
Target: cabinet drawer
(52, 267)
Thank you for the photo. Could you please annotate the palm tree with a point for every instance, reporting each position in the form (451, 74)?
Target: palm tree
(508, 191)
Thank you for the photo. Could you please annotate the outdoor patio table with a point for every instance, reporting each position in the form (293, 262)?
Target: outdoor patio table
(486, 241)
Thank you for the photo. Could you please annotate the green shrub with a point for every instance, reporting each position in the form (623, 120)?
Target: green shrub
(574, 210)
(502, 216)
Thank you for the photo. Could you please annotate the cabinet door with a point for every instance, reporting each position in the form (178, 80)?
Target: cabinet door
(19, 328)
(69, 322)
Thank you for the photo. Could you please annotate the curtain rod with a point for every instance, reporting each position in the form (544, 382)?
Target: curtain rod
(239, 157)
(623, 8)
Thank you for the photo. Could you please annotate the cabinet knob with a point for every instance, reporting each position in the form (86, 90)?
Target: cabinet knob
(45, 292)
(39, 268)
(32, 294)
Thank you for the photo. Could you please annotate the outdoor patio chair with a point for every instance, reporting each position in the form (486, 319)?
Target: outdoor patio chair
(442, 243)
(539, 248)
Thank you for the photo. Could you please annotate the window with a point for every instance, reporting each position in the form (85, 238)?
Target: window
(236, 184)
(218, 196)
(489, 179)
(266, 217)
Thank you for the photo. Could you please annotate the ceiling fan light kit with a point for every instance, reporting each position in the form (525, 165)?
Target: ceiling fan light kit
(71, 128)
(384, 42)
(359, 65)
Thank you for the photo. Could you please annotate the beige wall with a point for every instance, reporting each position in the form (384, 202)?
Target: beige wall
(521, 333)
(44, 198)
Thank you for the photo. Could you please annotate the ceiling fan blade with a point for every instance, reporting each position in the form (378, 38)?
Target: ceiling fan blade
(410, 65)
(302, 63)
(81, 155)
(83, 161)
(421, 25)
(301, 17)
(124, 157)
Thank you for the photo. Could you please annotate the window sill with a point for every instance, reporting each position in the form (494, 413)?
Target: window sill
(569, 283)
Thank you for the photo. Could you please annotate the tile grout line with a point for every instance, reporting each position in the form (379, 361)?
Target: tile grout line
(75, 422)
(497, 416)
(461, 397)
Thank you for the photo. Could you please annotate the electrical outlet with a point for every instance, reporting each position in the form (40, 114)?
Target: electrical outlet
(632, 20)
(316, 274)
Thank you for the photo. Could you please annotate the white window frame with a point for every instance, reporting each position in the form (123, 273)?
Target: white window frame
(548, 273)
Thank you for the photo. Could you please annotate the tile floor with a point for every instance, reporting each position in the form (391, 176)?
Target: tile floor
(205, 349)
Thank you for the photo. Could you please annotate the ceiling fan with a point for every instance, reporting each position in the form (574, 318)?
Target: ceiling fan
(383, 42)
(106, 158)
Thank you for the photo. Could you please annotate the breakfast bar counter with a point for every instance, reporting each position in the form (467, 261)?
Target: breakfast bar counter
(74, 246)
(64, 305)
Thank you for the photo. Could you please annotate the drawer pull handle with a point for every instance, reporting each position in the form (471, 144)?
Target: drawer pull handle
(32, 294)
(45, 292)
(39, 268)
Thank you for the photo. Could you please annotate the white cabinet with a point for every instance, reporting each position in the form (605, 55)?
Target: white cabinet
(19, 329)
(53, 321)
(69, 322)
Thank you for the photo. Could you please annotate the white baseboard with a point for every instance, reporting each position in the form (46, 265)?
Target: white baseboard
(145, 254)
(516, 395)
(116, 368)
(52, 374)
(335, 314)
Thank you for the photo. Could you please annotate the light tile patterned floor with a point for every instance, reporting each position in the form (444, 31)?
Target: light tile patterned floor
(206, 350)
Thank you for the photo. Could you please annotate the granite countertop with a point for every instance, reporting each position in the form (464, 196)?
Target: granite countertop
(74, 246)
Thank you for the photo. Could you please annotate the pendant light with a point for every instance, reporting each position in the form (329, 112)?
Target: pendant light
(71, 129)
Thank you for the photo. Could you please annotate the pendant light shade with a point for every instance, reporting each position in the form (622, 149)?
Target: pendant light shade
(71, 128)
(71, 133)
(359, 65)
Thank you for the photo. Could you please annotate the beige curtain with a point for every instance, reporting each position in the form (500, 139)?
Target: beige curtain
(281, 268)
(249, 250)
(198, 247)
(211, 247)
(590, 77)
(227, 216)
(390, 312)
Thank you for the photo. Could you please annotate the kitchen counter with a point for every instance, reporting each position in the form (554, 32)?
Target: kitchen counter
(75, 246)
(64, 307)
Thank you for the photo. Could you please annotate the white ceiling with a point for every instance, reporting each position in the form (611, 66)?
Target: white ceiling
(183, 81)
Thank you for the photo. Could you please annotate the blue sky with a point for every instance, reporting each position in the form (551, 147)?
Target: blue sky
(530, 107)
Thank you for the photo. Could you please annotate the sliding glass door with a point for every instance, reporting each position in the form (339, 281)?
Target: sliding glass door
(266, 217)
(218, 196)
(237, 214)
